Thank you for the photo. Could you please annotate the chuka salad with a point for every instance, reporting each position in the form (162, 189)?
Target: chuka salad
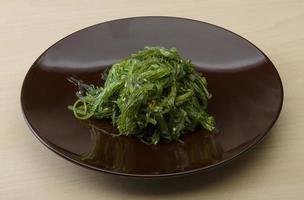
(153, 95)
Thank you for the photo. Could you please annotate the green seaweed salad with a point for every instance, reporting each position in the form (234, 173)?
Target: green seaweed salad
(153, 95)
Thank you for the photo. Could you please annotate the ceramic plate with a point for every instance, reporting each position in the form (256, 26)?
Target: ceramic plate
(246, 87)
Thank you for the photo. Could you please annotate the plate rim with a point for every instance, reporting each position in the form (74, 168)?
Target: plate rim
(165, 175)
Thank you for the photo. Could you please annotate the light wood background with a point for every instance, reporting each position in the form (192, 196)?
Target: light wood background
(274, 170)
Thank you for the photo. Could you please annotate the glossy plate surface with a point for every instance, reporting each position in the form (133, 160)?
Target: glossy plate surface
(246, 88)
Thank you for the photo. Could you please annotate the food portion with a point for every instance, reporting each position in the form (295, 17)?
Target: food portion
(153, 95)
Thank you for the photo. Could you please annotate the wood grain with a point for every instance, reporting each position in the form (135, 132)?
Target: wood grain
(274, 170)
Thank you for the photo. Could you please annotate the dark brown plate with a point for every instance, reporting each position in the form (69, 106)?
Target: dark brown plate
(247, 96)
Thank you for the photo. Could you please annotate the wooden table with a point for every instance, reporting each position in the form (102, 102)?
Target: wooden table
(274, 170)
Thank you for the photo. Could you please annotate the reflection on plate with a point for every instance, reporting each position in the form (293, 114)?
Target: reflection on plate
(118, 153)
